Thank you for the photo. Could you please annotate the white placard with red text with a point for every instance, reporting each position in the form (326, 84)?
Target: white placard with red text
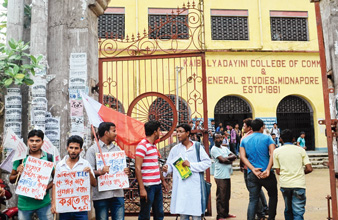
(72, 191)
(35, 178)
(116, 178)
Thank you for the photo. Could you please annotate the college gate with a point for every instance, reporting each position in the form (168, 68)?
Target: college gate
(159, 75)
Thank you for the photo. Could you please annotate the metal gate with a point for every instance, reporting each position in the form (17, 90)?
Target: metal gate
(296, 114)
(231, 110)
(157, 76)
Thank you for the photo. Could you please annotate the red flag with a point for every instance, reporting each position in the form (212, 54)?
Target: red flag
(129, 131)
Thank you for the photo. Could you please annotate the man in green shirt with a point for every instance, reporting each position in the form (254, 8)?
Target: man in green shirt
(28, 206)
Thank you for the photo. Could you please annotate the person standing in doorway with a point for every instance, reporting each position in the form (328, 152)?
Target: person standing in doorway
(233, 139)
(275, 130)
(301, 140)
(238, 138)
(220, 125)
(186, 197)
(289, 161)
(256, 152)
(148, 174)
(211, 131)
(223, 169)
(112, 200)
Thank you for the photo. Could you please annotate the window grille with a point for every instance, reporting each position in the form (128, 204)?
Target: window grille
(177, 29)
(113, 24)
(229, 28)
(289, 29)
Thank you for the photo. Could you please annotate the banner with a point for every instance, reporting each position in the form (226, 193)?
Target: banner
(35, 178)
(72, 191)
(116, 178)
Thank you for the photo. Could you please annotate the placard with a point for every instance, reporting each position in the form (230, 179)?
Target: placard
(72, 191)
(116, 178)
(35, 178)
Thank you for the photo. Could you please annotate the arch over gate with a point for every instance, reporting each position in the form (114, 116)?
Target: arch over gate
(231, 110)
(295, 113)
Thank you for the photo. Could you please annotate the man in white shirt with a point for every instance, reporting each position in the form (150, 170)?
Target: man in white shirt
(73, 162)
(186, 194)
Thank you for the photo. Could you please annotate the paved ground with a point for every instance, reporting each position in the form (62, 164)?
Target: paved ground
(316, 208)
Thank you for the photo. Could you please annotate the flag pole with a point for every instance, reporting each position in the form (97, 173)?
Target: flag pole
(17, 178)
(98, 145)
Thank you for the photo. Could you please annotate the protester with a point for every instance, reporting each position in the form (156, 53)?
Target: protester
(148, 173)
(275, 130)
(223, 169)
(186, 197)
(73, 162)
(28, 206)
(112, 200)
(301, 140)
(211, 132)
(256, 152)
(262, 207)
(288, 161)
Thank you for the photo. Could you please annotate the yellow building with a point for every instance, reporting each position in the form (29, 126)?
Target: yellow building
(261, 60)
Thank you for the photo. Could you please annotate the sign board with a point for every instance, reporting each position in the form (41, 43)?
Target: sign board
(116, 178)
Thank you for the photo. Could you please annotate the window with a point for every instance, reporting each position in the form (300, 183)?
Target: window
(112, 22)
(289, 26)
(229, 25)
(176, 29)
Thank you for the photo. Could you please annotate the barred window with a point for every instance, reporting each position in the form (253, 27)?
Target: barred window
(113, 24)
(289, 25)
(229, 28)
(176, 29)
(289, 29)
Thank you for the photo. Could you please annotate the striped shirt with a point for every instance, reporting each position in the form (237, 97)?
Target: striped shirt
(150, 169)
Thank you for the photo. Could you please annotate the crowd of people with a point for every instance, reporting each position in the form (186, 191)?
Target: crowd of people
(257, 152)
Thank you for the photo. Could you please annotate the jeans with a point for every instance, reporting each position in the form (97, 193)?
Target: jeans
(154, 202)
(116, 206)
(212, 143)
(186, 217)
(223, 194)
(255, 187)
(262, 206)
(74, 216)
(237, 148)
(295, 200)
(43, 213)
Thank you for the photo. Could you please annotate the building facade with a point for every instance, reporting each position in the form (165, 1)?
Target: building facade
(261, 59)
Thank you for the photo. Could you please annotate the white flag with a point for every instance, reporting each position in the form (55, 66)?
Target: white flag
(92, 108)
(51, 149)
(12, 141)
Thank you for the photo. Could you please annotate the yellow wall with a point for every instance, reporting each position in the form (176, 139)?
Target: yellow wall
(264, 98)
(259, 47)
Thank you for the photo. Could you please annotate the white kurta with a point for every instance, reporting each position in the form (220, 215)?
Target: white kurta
(186, 194)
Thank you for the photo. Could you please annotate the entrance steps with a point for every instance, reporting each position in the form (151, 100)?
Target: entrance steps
(319, 160)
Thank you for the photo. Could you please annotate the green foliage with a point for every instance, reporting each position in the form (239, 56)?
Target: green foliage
(12, 69)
